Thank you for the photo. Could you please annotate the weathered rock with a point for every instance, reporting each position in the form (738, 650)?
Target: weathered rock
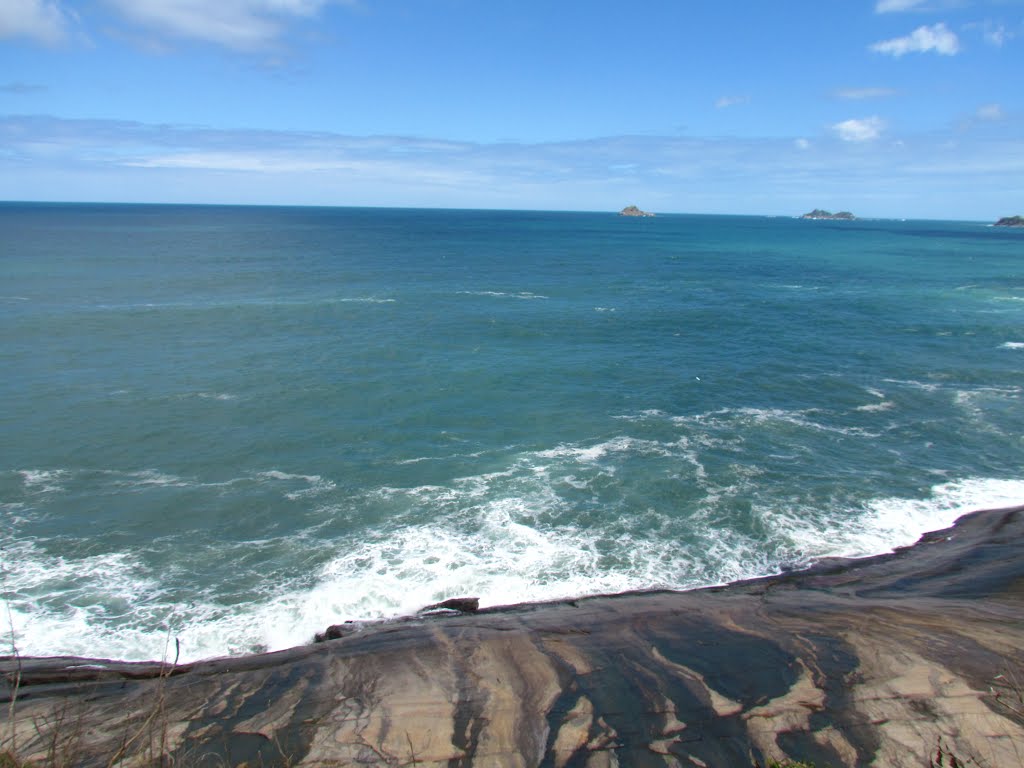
(851, 663)
(1010, 221)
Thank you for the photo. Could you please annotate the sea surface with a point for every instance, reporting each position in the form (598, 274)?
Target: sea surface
(232, 426)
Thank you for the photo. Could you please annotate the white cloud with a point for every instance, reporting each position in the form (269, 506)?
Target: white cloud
(990, 112)
(857, 94)
(892, 6)
(860, 130)
(40, 20)
(244, 25)
(730, 101)
(48, 158)
(936, 38)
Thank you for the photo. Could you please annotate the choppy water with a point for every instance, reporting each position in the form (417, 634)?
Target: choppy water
(234, 426)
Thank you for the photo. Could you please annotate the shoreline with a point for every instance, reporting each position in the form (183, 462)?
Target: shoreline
(847, 662)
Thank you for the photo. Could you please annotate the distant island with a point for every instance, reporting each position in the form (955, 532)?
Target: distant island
(817, 213)
(1011, 221)
(632, 210)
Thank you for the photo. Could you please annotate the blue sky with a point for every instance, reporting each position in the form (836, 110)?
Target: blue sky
(901, 108)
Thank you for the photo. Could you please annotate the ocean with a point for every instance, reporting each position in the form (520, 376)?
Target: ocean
(229, 427)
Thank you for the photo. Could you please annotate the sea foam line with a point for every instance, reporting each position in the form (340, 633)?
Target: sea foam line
(503, 294)
(506, 536)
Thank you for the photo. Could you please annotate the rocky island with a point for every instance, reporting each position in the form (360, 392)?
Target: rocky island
(1010, 221)
(632, 210)
(818, 213)
(888, 661)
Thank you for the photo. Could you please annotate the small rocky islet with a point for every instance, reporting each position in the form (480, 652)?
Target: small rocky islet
(818, 213)
(1010, 221)
(632, 210)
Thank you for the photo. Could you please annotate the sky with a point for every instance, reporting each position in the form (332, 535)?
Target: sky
(886, 108)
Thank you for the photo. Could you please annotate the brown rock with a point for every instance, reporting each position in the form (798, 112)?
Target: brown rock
(851, 663)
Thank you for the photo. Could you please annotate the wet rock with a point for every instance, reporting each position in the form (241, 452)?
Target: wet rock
(333, 632)
(460, 604)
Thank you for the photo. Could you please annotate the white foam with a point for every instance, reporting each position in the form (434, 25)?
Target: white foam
(503, 294)
(897, 522)
(886, 405)
(973, 402)
(276, 474)
(770, 416)
(506, 537)
(151, 477)
(925, 386)
(316, 484)
(593, 453)
(650, 414)
(1012, 345)
(501, 560)
(43, 480)
(69, 606)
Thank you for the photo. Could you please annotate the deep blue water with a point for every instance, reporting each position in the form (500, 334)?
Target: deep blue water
(236, 425)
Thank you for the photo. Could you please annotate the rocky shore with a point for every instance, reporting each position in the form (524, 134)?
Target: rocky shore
(880, 661)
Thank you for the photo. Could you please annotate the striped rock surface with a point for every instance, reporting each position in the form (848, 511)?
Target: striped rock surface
(880, 661)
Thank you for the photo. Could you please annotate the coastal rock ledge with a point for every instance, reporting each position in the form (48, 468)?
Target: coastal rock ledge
(880, 661)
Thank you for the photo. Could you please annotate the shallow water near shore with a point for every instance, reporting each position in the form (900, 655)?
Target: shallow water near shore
(234, 426)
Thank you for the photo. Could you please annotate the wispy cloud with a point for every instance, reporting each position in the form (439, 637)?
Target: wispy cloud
(859, 94)
(990, 112)
(52, 158)
(995, 33)
(859, 130)
(21, 88)
(244, 25)
(723, 102)
(894, 6)
(937, 38)
(40, 20)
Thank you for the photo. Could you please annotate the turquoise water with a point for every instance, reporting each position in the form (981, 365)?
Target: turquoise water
(234, 426)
